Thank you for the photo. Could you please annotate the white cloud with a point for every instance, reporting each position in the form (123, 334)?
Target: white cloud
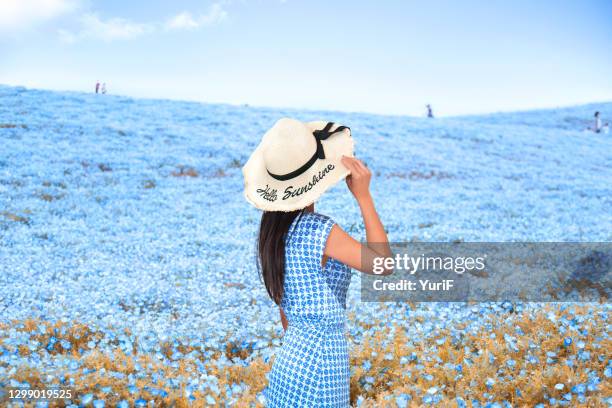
(17, 15)
(215, 14)
(91, 26)
(186, 20)
(182, 20)
(114, 28)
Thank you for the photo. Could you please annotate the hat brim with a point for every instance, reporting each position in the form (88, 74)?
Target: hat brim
(269, 194)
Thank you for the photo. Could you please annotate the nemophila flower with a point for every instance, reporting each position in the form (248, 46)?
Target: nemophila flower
(608, 372)
(533, 345)
(593, 384)
(123, 404)
(507, 306)
(116, 374)
(86, 399)
(489, 383)
(51, 343)
(559, 386)
(98, 403)
(460, 402)
(140, 403)
(366, 365)
(579, 389)
(567, 341)
(402, 400)
(581, 344)
(584, 355)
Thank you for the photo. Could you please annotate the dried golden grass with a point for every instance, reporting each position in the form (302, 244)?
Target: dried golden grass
(77, 334)
(15, 217)
(185, 171)
(389, 377)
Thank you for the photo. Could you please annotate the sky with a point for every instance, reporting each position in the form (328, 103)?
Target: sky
(388, 57)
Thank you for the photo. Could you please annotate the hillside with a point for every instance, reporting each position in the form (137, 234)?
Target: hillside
(126, 217)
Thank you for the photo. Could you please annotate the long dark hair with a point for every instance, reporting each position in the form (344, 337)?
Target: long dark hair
(271, 250)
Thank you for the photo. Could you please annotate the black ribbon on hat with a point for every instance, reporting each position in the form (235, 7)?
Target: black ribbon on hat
(319, 135)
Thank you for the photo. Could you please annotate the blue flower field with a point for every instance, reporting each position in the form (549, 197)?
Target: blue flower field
(127, 253)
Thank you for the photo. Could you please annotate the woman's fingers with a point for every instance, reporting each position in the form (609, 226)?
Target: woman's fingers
(358, 180)
(349, 163)
(354, 164)
(361, 166)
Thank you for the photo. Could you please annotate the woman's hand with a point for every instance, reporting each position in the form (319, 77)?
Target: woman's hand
(358, 181)
(342, 246)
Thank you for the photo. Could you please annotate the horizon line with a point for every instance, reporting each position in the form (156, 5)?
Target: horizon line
(310, 109)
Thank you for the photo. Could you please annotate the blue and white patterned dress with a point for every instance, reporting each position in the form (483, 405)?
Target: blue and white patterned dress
(311, 368)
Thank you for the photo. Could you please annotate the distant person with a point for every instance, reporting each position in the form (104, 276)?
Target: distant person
(103, 89)
(429, 111)
(597, 127)
(97, 86)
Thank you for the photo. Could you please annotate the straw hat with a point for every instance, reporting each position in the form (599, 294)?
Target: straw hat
(295, 163)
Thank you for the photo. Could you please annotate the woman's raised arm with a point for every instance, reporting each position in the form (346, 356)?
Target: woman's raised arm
(342, 246)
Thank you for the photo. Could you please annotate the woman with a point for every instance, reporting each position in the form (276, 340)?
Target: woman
(304, 257)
